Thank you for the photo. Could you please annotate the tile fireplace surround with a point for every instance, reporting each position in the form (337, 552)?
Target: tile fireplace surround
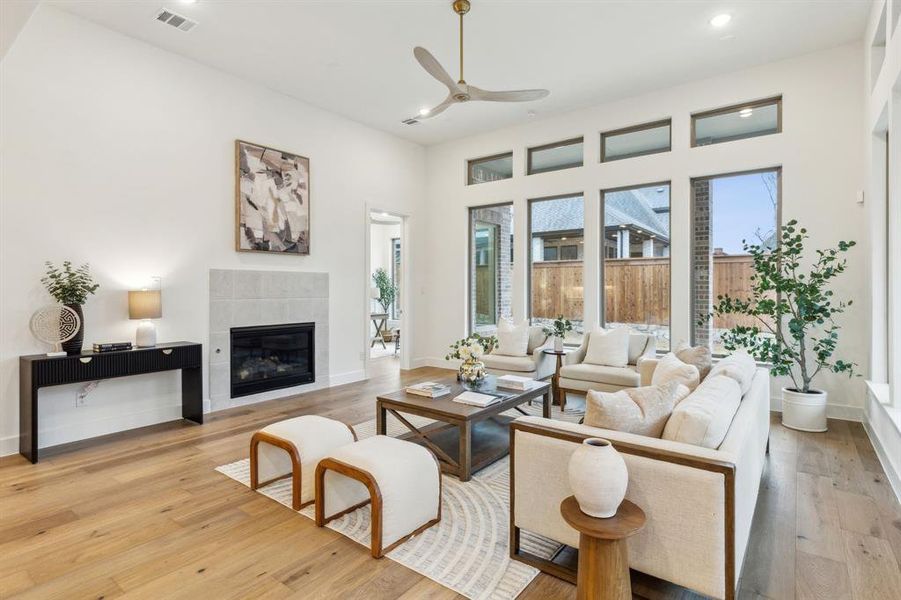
(243, 298)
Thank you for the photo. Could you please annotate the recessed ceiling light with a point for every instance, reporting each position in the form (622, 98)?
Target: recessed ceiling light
(424, 111)
(562, 239)
(660, 190)
(745, 113)
(638, 231)
(721, 20)
(384, 214)
(188, 1)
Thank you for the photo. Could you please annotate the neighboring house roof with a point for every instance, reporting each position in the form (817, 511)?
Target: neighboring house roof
(627, 207)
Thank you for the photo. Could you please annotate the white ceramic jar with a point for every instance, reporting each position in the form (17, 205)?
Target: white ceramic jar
(598, 477)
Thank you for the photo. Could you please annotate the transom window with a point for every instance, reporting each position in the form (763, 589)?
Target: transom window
(490, 168)
(556, 156)
(738, 122)
(639, 140)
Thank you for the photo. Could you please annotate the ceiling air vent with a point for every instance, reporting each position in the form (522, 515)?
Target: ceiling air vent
(176, 20)
(410, 122)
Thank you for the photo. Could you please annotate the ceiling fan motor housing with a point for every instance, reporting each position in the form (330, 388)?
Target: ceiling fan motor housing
(461, 7)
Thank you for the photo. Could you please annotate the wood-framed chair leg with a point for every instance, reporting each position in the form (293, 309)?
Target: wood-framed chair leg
(295, 474)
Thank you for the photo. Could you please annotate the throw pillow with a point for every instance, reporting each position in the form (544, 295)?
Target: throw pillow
(512, 340)
(643, 410)
(670, 368)
(537, 338)
(698, 356)
(704, 417)
(740, 366)
(609, 348)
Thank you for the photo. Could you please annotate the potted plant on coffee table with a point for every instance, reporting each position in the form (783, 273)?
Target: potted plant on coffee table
(70, 287)
(793, 310)
(558, 329)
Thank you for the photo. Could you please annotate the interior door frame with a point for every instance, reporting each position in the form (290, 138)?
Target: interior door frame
(405, 358)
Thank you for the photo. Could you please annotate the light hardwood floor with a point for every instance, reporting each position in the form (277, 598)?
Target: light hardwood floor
(144, 515)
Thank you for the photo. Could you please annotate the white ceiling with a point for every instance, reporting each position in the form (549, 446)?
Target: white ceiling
(355, 57)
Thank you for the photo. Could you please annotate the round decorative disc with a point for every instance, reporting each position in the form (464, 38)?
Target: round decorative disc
(54, 324)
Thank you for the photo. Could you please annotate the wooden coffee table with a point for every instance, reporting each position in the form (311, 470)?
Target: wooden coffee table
(464, 438)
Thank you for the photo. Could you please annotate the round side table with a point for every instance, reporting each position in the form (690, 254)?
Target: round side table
(559, 397)
(603, 553)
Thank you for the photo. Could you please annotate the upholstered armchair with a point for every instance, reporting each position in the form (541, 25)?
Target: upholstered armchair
(536, 364)
(577, 376)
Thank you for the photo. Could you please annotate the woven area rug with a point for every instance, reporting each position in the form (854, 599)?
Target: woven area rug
(468, 550)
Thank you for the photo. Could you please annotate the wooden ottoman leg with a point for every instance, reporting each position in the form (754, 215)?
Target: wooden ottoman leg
(293, 454)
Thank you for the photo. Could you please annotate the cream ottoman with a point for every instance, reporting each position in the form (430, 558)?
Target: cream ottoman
(293, 447)
(401, 479)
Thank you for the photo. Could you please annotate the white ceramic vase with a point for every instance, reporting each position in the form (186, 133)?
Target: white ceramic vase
(558, 344)
(598, 478)
(804, 412)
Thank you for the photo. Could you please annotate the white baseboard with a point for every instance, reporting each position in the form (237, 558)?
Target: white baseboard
(348, 377)
(842, 412)
(438, 363)
(893, 476)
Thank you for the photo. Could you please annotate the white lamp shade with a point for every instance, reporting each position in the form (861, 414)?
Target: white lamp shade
(145, 304)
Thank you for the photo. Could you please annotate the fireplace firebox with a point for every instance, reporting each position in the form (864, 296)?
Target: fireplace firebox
(272, 357)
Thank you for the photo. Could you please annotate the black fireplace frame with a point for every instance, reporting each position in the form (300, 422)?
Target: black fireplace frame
(239, 389)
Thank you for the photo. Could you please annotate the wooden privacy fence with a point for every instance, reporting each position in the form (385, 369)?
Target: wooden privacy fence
(637, 290)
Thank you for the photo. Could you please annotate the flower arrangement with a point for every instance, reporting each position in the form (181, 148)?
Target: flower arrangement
(470, 350)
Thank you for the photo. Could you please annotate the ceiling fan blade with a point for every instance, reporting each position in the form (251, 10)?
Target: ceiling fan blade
(434, 68)
(438, 109)
(508, 96)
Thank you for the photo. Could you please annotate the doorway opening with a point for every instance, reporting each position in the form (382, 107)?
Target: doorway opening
(385, 346)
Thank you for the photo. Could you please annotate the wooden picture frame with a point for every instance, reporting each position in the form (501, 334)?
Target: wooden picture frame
(272, 200)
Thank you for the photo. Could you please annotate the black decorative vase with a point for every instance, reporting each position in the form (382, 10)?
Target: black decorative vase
(74, 345)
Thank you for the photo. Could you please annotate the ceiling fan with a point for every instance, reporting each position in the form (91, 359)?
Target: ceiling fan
(460, 91)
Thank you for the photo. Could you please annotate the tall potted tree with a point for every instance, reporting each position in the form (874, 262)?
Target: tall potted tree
(794, 328)
(71, 286)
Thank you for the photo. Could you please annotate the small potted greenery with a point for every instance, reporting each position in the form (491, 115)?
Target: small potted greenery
(558, 330)
(470, 350)
(387, 288)
(795, 307)
(71, 287)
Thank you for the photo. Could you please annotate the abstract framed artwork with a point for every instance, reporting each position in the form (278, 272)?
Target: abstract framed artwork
(272, 200)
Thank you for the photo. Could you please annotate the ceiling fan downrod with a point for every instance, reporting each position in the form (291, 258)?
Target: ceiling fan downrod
(461, 7)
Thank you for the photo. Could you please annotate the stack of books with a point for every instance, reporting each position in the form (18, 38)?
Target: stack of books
(515, 382)
(111, 346)
(429, 389)
(477, 399)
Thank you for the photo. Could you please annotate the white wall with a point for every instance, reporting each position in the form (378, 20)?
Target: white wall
(122, 155)
(820, 150)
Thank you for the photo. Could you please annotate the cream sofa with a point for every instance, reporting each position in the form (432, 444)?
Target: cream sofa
(536, 365)
(577, 376)
(699, 502)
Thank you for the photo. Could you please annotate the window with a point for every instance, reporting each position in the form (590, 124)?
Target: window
(491, 266)
(727, 210)
(640, 140)
(738, 122)
(553, 157)
(490, 168)
(556, 236)
(395, 276)
(636, 250)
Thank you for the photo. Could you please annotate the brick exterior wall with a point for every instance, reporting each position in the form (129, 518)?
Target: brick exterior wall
(701, 263)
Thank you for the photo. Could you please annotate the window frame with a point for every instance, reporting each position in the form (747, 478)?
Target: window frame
(692, 241)
(734, 108)
(602, 270)
(528, 264)
(470, 258)
(472, 161)
(561, 144)
(632, 129)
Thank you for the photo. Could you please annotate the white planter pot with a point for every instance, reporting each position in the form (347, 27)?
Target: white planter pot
(804, 412)
(598, 477)
(558, 344)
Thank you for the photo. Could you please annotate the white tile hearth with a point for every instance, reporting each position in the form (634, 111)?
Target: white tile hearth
(244, 298)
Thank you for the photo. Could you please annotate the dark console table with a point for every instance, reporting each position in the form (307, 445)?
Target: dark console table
(39, 370)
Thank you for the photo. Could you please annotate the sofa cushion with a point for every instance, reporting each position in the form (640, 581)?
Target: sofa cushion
(740, 366)
(512, 340)
(520, 364)
(622, 376)
(642, 410)
(640, 344)
(608, 347)
(704, 417)
(671, 369)
(537, 338)
(699, 356)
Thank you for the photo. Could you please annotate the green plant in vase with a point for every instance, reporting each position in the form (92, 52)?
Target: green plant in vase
(558, 330)
(793, 310)
(387, 288)
(71, 287)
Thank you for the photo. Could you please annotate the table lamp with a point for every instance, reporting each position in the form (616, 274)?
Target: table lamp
(145, 305)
